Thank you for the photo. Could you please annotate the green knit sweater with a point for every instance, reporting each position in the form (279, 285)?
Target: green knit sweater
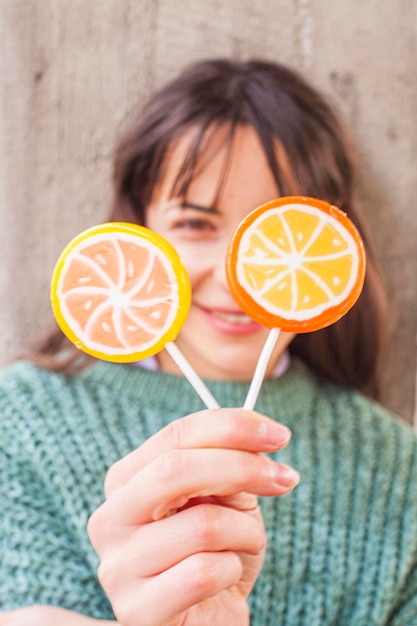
(342, 548)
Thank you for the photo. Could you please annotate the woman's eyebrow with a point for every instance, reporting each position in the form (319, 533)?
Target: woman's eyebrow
(199, 207)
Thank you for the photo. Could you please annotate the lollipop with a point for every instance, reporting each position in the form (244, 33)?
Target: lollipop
(120, 293)
(295, 264)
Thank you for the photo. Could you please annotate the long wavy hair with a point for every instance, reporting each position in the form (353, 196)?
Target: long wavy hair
(282, 108)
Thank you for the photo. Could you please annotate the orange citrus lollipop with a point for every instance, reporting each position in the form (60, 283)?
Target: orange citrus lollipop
(295, 264)
(120, 293)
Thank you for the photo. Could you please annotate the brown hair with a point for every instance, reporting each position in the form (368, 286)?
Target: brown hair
(280, 106)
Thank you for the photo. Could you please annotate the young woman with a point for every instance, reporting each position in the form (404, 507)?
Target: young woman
(189, 533)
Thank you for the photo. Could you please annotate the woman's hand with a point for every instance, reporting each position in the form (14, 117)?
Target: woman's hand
(42, 615)
(180, 536)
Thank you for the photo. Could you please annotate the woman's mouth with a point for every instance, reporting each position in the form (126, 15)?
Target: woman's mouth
(229, 322)
(233, 318)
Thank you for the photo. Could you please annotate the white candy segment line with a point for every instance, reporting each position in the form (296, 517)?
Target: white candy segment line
(93, 265)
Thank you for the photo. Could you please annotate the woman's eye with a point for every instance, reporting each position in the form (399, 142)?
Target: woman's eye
(195, 224)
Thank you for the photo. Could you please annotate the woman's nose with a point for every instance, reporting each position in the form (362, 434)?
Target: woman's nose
(219, 264)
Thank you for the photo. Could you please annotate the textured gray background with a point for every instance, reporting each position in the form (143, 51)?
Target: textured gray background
(70, 73)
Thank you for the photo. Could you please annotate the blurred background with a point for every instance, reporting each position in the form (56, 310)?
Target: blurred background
(71, 73)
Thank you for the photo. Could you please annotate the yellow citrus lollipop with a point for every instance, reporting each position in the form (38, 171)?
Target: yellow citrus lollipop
(120, 293)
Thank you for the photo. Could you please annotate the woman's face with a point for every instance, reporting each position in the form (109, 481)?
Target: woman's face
(218, 339)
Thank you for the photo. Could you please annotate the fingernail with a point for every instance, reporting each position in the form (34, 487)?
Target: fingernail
(273, 434)
(285, 475)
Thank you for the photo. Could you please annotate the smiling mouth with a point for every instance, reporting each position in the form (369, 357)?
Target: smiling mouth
(232, 318)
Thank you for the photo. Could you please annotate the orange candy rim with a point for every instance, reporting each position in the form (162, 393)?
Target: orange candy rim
(139, 232)
(252, 308)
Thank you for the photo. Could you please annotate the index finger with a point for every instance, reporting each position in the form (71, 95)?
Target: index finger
(236, 429)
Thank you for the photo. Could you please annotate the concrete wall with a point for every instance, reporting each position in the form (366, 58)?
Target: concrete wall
(70, 72)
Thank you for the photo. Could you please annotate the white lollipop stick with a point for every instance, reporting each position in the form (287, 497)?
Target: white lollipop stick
(260, 369)
(191, 375)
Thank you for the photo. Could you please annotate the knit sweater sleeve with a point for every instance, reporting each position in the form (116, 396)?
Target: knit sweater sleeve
(40, 551)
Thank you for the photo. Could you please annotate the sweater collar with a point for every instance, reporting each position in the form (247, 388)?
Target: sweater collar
(292, 393)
